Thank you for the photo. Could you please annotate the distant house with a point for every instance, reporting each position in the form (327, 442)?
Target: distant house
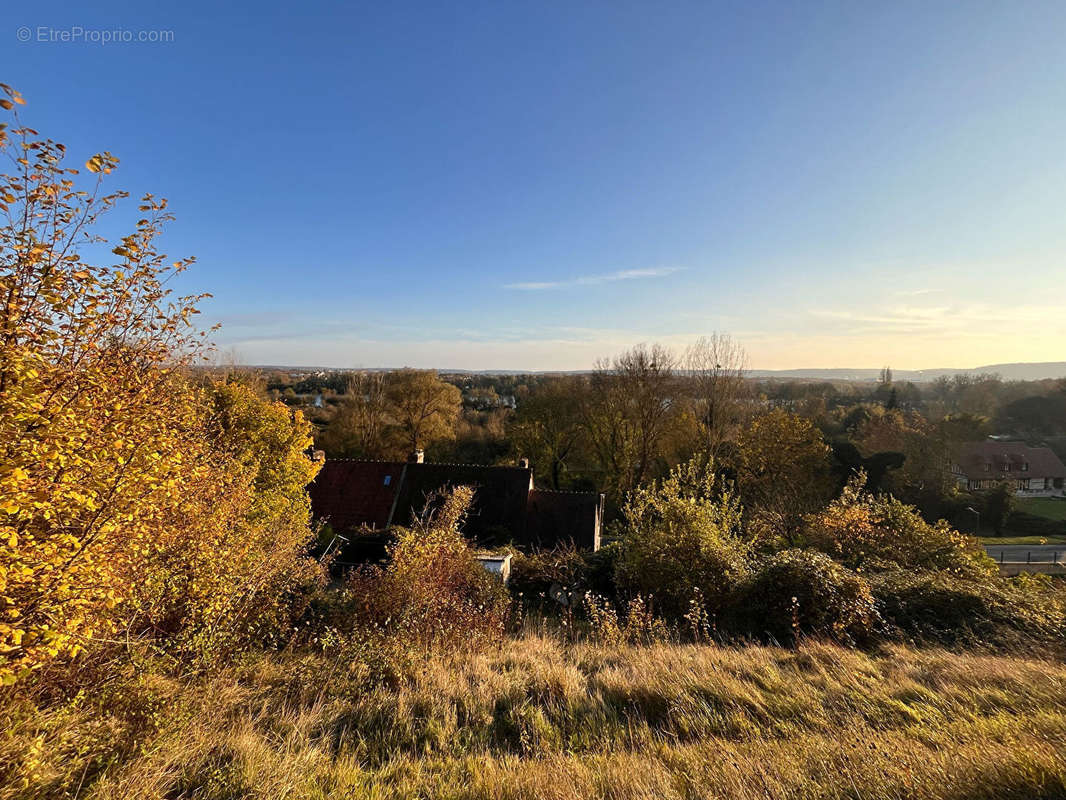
(356, 495)
(1032, 471)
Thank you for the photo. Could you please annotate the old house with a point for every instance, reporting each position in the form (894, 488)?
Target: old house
(1031, 471)
(354, 495)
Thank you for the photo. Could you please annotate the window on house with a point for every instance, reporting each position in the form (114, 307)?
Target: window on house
(1025, 466)
(988, 467)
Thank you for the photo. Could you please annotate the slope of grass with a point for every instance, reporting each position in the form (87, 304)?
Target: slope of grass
(539, 718)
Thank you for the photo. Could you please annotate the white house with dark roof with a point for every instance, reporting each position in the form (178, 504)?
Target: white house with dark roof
(1031, 471)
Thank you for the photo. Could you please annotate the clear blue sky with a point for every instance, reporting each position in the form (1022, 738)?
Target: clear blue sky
(508, 185)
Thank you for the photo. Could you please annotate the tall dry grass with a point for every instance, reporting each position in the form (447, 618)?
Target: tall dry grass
(540, 718)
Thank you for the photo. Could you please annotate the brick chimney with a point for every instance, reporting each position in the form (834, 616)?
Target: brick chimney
(417, 457)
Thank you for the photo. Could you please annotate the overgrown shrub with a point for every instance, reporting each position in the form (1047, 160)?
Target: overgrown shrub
(634, 625)
(241, 576)
(535, 575)
(943, 607)
(431, 593)
(796, 592)
(680, 537)
(859, 527)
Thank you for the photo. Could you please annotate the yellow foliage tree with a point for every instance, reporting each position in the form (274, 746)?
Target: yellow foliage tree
(226, 567)
(114, 468)
(782, 472)
(425, 407)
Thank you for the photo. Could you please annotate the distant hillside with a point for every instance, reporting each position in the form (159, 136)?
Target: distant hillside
(1009, 372)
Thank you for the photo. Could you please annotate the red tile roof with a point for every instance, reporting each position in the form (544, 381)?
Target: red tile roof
(350, 494)
(973, 457)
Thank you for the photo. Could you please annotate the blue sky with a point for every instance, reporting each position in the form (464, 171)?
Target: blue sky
(535, 185)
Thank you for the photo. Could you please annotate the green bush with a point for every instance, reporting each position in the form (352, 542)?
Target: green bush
(805, 592)
(999, 502)
(947, 608)
(680, 541)
(1024, 523)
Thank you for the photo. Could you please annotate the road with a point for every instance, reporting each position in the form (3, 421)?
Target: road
(1028, 553)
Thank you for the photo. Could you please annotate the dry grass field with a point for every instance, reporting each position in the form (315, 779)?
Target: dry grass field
(540, 718)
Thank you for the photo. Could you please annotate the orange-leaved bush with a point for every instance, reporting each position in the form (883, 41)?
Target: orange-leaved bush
(861, 529)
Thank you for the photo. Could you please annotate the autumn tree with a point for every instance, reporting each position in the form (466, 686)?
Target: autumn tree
(548, 427)
(965, 393)
(627, 407)
(360, 425)
(424, 407)
(782, 471)
(957, 428)
(714, 367)
(1037, 416)
(480, 438)
(926, 449)
(93, 416)
(121, 478)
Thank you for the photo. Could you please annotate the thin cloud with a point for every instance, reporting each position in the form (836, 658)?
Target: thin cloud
(592, 280)
(916, 292)
(974, 320)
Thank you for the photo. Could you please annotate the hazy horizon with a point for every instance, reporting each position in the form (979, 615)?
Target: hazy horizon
(1040, 369)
